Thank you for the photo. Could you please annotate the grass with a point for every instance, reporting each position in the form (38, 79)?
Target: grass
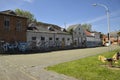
(89, 68)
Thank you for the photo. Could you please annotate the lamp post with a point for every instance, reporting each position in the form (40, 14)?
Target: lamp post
(108, 18)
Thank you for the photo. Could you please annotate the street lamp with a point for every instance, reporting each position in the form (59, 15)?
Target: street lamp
(108, 18)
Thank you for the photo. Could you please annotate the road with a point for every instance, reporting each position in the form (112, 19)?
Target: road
(31, 66)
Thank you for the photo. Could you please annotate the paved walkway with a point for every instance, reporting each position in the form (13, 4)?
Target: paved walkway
(31, 66)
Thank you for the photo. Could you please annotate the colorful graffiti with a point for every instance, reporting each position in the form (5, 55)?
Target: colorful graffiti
(13, 47)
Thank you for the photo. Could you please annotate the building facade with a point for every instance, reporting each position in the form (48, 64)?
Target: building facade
(18, 36)
(78, 35)
(47, 37)
(93, 39)
(12, 26)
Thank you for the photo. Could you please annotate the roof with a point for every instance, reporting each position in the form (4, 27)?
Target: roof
(114, 34)
(73, 26)
(44, 27)
(36, 31)
(10, 13)
(47, 27)
(88, 33)
(104, 36)
(95, 32)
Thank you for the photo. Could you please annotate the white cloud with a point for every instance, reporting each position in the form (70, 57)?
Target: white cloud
(96, 19)
(112, 15)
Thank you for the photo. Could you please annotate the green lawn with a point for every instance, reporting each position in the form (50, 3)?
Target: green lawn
(89, 68)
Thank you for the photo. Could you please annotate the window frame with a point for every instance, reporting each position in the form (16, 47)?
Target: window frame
(42, 38)
(6, 23)
(19, 25)
(50, 38)
(34, 38)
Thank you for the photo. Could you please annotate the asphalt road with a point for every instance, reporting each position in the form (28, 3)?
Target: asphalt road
(31, 66)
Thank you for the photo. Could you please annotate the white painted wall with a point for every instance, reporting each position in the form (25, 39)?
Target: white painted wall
(94, 40)
(79, 35)
(48, 35)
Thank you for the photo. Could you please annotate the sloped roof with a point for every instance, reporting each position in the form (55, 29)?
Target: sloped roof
(44, 27)
(104, 36)
(11, 13)
(47, 24)
(88, 33)
(114, 34)
(73, 26)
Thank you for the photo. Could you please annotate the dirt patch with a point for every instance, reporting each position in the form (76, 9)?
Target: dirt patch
(112, 67)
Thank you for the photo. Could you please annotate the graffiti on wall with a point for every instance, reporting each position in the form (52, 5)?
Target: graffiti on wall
(14, 46)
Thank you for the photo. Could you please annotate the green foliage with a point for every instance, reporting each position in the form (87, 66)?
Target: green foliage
(87, 26)
(70, 31)
(89, 68)
(27, 14)
(101, 35)
(118, 33)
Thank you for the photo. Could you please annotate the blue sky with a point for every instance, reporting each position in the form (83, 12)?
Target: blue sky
(70, 12)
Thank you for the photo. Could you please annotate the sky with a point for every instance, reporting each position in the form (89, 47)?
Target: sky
(68, 12)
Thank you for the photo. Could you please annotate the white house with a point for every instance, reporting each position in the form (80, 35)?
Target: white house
(93, 39)
(78, 35)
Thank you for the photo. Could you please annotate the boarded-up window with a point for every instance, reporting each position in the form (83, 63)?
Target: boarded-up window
(57, 38)
(68, 39)
(33, 38)
(7, 23)
(50, 38)
(19, 25)
(42, 38)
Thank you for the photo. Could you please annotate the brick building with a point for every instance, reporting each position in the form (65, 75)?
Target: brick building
(12, 26)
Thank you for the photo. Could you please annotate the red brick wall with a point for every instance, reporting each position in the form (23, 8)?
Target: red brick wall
(12, 34)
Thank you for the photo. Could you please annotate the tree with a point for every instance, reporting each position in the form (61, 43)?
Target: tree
(70, 31)
(101, 35)
(27, 14)
(87, 26)
(118, 37)
(118, 33)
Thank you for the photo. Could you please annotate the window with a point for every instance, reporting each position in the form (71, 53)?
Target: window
(33, 38)
(63, 39)
(42, 38)
(57, 38)
(19, 25)
(68, 39)
(7, 23)
(51, 28)
(50, 38)
(83, 34)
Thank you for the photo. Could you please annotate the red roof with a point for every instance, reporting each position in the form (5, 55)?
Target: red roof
(88, 33)
(104, 36)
